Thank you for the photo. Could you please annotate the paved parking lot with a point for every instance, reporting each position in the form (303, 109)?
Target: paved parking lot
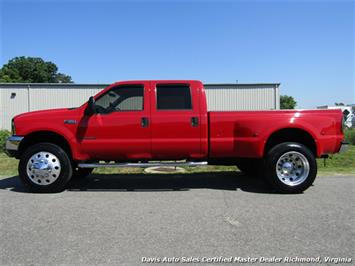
(117, 220)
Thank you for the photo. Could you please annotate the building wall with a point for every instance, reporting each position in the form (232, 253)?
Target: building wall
(20, 98)
(42, 98)
(11, 105)
(227, 97)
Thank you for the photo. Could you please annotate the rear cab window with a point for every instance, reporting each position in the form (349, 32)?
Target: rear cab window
(173, 97)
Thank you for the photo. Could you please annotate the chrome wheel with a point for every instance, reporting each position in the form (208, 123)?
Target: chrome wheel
(292, 168)
(43, 168)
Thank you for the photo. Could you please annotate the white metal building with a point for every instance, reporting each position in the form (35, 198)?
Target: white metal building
(348, 113)
(234, 97)
(16, 98)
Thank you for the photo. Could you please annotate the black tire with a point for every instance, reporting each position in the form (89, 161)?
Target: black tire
(299, 178)
(61, 180)
(81, 172)
(250, 167)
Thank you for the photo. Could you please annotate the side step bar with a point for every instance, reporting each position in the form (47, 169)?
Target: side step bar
(152, 164)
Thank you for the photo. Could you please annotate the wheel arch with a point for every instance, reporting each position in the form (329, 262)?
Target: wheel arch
(45, 136)
(291, 135)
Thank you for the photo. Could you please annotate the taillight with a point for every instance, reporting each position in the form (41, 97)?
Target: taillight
(13, 129)
(343, 125)
(343, 120)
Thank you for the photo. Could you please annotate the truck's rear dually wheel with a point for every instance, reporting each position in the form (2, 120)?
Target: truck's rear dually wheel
(290, 167)
(45, 167)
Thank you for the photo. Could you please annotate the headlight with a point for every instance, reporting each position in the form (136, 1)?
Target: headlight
(13, 129)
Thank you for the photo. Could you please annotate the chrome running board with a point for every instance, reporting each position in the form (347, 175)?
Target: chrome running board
(152, 164)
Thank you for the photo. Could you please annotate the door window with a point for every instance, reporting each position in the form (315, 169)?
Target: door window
(121, 98)
(173, 97)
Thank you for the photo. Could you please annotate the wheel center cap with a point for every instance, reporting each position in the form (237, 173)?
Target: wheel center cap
(42, 167)
(287, 168)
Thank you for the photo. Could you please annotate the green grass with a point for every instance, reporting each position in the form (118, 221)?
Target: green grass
(343, 164)
(8, 166)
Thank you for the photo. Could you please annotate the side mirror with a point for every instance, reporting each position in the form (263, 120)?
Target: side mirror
(91, 107)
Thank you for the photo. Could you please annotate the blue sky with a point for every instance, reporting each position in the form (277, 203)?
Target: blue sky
(307, 46)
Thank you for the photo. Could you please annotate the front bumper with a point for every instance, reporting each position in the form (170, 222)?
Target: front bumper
(12, 145)
(344, 146)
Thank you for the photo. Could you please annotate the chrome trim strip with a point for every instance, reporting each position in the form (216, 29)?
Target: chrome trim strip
(94, 165)
(13, 143)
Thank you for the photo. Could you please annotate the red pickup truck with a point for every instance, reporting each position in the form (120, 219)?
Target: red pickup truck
(136, 122)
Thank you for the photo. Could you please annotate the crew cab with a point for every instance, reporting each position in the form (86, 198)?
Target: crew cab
(143, 123)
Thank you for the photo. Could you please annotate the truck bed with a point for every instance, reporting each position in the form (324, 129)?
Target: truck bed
(245, 133)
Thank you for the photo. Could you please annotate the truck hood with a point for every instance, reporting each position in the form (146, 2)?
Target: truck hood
(45, 120)
(59, 111)
(45, 114)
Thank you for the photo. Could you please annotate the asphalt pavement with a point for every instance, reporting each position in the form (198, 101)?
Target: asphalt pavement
(203, 218)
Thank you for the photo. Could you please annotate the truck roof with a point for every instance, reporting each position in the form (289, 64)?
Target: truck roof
(51, 85)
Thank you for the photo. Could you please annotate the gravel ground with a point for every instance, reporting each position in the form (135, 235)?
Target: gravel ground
(120, 220)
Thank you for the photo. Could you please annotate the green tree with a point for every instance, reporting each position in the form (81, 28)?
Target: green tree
(287, 102)
(32, 69)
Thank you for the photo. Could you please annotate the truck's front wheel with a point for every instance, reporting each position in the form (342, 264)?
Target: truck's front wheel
(290, 167)
(45, 167)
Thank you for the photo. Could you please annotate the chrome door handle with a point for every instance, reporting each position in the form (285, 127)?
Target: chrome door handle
(144, 122)
(194, 121)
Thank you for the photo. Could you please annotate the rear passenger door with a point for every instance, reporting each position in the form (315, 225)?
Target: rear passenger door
(175, 121)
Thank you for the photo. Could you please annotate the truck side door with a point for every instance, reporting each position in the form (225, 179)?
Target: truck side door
(175, 120)
(120, 129)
